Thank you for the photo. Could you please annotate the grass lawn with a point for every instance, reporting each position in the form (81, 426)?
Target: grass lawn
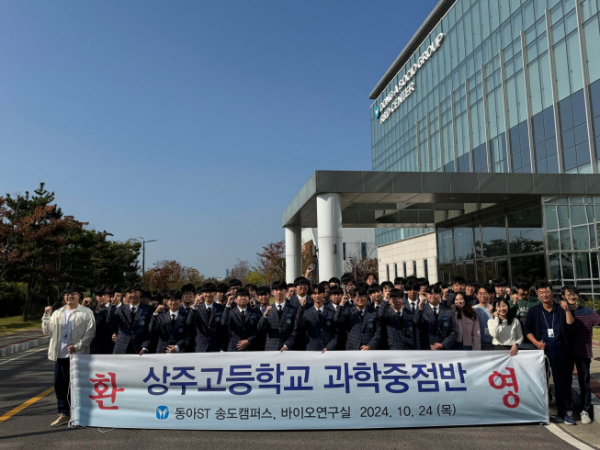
(9, 325)
(596, 334)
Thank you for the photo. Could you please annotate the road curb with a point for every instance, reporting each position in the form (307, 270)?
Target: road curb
(17, 347)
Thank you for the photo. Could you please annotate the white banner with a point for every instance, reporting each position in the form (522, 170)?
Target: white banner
(308, 390)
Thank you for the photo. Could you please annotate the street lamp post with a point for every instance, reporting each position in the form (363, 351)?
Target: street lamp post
(144, 242)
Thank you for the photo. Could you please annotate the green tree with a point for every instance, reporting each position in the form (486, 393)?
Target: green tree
(171, 275)
(40, 233)
(255, 277)
(271, 261)
(45, 250)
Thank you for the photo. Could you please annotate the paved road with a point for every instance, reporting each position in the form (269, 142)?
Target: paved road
(31, 373)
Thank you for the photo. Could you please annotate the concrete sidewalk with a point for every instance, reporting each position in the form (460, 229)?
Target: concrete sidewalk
(18, 342)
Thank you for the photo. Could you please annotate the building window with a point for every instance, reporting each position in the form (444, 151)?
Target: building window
(344, 250)
(426, 272)
(395, 270)
(387, 271)
(363, 250)
(415, 268)
(404, 267)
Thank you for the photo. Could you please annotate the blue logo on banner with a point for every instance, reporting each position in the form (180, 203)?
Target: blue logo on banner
(162, 412)
(377, 112)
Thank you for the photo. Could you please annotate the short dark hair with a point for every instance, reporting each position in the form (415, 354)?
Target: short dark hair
(320, 289)
(108, 290)
(371, 274)
(522, 282)
(487, 287)
(433, 289)
(336, 291)
(400, 280)
(542, 284)
(374, 288)
(279, 285)
(235, 282)
(347, 277)
(412, 285)
(172, 293)
(361, 292)
(222, 288)
(242, 292)
(301, 280)
(571, 288)
(188, 288)
(388, 284)
(133, 288)
(263, 290)
(459, 280)
(251, 286)
(71, 289)
(334, 280)
(500, 282)
(209, 287)
(396, 293)
(423, 281)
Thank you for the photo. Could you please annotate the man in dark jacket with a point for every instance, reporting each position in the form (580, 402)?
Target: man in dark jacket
(317, 324)
(103, 343)
(169, 325)
(437, 323)
(131, 324)
(360, 322)
(242, 322)
(547, 328)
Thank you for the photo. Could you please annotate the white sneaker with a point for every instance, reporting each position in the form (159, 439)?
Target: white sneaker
(585, 418)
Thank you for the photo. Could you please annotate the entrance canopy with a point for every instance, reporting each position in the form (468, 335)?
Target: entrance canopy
(422, 199)
(332, 200)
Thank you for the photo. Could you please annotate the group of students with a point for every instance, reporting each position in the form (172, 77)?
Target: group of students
(338, 314)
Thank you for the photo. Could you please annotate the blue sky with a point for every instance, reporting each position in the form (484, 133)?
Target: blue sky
(191, 122)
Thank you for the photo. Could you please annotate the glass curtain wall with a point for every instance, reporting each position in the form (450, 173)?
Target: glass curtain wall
(513, 87)
(572, 226)
(501, 246)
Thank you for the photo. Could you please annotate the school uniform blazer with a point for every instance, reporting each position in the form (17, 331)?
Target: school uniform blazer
(319, 332)
(401, 332)
(241, 329)
(443, 330)
(166, 334)
(102, 343)
(295, 300)
(280, 331)
(341, 332)
(135, 332)
(208, 327)
(359, 333)
(383, 307)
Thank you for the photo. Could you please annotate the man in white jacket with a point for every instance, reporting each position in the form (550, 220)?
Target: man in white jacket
(71, 329)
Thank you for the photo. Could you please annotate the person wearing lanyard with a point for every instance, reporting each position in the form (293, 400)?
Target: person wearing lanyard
(71, 329)
(546, 327)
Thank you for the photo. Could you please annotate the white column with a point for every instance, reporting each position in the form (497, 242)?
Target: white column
(329, 229)
(293, 253)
